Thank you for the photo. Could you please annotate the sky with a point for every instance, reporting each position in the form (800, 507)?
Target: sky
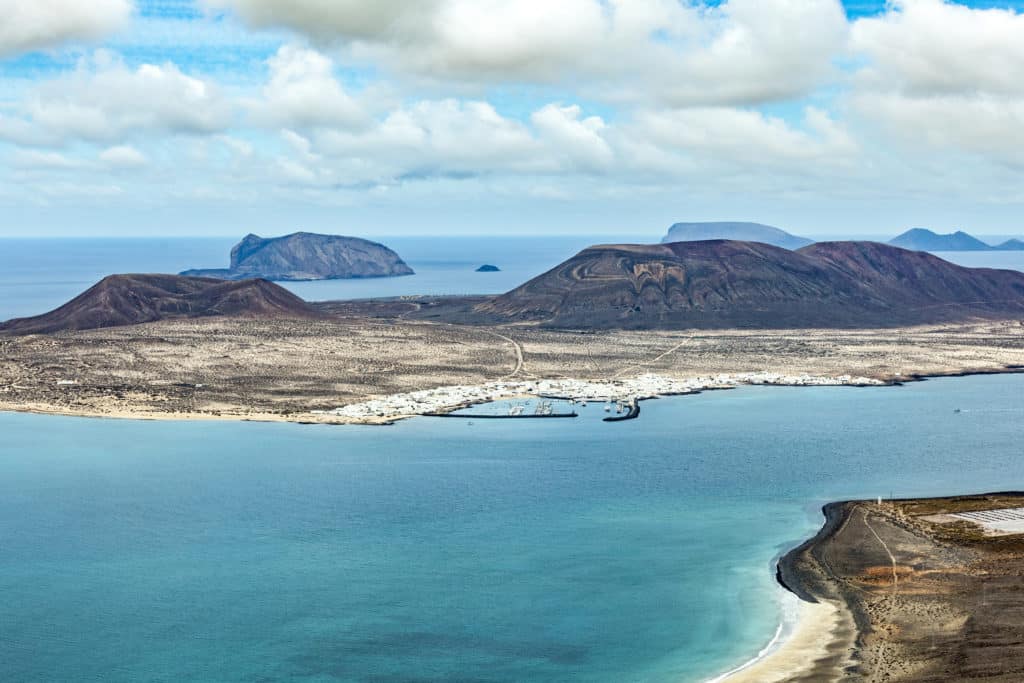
(490, 117)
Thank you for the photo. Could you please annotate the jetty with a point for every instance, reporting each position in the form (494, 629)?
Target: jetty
(631, 414)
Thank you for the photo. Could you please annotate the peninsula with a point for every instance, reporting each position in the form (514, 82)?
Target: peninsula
(922, 591)
(307, 256)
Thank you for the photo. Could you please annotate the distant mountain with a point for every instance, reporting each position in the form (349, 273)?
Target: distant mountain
(133, 299)
(721, 284)
(488, 268)
(920, 239)
(745, 232)
(307, 256)
(1010, 245)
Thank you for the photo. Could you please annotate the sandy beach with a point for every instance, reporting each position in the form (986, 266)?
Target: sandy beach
(817, 648)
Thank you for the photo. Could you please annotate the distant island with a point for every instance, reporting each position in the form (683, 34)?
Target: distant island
(488, 268)
(746, 232)
(307, 256)
(119, 300)
(921, 239)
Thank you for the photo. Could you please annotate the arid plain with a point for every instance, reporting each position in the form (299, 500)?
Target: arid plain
(231, 368)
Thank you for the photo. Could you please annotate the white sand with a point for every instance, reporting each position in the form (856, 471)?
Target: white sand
(816, 628)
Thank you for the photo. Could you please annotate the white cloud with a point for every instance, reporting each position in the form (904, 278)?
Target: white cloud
(700, 139)
(944, 76)
(446, 138)
(743, 51)
(104, 100)
(123, 156)
(926, 47)
(35, 24)
(303, 91)
(580, 140)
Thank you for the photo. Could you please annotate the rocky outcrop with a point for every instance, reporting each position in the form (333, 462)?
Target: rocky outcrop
(307, 256)
(132, 299)
(745, 232)
(723, 284)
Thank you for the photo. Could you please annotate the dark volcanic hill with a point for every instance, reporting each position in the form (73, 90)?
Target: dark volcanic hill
(720, 284)
(132, 299)
(306, 256)
(745, 232)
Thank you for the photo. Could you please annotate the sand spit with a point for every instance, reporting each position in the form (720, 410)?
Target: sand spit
(934, 597)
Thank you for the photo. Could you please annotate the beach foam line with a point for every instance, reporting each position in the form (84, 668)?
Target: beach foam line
(798, 652)
(787, 627)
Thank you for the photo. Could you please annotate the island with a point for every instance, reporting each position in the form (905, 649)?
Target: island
(921, 239)
(307, 256)
(488, 268)
(746, 232)
(723, 283)
(923, 590)
(713, 315)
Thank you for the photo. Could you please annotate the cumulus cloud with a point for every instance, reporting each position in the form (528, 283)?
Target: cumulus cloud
(303, 91)
(943, 75)
(933, 47)
(741, 51)
(35, 24)
(579, 140)
(104, 100)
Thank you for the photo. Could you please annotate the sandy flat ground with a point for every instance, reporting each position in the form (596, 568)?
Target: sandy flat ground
(282, 370)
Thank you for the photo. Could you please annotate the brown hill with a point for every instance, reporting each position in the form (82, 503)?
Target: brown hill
(132, 299)
(721, 283)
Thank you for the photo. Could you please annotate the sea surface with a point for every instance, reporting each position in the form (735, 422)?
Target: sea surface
(455, 550)
(37, 275)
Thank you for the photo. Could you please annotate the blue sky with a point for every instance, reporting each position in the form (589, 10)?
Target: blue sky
(379, 117)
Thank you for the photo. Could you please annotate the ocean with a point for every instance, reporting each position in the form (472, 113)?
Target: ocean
(439, 550)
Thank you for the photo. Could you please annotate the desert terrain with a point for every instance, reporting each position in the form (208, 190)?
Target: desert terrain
(279, 369)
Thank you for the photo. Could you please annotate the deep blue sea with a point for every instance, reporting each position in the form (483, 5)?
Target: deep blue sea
(438, 550)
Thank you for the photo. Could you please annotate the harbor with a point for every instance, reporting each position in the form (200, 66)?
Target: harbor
(449, 400)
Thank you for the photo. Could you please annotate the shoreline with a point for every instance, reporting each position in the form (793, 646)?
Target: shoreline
(389, 409)
(816, 636)
(804, 645)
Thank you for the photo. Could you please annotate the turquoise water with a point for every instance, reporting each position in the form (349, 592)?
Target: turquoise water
(439, 550)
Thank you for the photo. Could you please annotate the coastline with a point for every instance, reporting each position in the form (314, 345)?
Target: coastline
(811, 646)
(817, 634)
(388, 409)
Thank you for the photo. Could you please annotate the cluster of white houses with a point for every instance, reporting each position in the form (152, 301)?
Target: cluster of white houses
(447, 399)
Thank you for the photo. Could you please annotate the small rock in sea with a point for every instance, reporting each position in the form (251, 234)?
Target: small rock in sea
(488, 268)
